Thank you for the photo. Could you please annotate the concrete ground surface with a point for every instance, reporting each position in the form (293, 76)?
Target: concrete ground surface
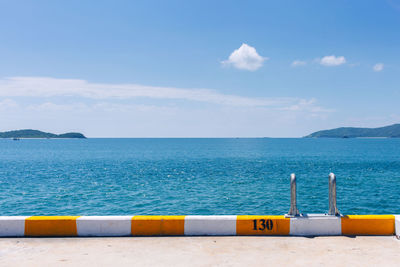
(201, 251)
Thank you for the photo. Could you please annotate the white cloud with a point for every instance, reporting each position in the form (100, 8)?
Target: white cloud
(79, 107)
(7, 104)
(330, 61)
(132, 110)
(307, 105)
(245, 58)
(50, 106)
(298, 63)
(378, 67)
(104, 119)
(51, 87)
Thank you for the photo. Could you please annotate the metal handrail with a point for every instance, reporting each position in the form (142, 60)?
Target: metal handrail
(333, 210)
(293, 211)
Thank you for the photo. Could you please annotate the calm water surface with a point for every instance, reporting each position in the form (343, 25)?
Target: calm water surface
(196, 176)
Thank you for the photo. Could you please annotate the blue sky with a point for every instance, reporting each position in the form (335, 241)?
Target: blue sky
(198, 68)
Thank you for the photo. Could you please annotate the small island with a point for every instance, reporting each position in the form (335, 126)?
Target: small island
(28, 133)
(391, 131)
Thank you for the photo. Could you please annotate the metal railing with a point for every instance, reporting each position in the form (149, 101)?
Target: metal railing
(293, 197)
(333, 210)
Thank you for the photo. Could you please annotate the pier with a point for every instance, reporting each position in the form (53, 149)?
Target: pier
(201, 251)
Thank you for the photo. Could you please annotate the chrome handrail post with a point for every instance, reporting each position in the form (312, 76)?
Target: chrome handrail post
(293, 197)
(333, 210)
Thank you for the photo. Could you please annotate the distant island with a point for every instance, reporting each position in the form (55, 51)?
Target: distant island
(28, 133)
(391, 131)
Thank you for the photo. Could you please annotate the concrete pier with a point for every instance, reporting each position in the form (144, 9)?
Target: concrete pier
(201, 251)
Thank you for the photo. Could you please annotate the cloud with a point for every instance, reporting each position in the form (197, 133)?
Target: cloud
(307, 105)
(330, 61)
(132, 110)
(378, 67)
(54, 107)
(52, 87)
(122, 119)
(298, 63)
(245, 58)
(7, 104)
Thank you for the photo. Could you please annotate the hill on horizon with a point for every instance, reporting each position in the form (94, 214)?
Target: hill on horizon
(29, 133)
(392, 131)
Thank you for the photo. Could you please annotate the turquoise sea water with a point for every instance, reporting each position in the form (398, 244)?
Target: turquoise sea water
(196, 176)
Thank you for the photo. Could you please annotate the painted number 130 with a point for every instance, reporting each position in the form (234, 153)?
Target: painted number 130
(263, 224)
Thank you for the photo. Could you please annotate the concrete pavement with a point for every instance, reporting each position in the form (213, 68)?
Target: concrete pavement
(201, 251)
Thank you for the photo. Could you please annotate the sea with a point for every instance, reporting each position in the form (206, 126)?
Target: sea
(200, 176)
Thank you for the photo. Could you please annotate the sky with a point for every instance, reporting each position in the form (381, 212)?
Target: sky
(198, 68)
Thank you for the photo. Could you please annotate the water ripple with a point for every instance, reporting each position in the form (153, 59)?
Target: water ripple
(196, 176)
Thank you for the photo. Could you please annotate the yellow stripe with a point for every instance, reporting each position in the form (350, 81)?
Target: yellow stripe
(51, 226)
(368, 225)
(262, 225)
(158, 225)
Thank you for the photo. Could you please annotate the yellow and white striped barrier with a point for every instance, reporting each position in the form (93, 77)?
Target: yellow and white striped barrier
(308, 225)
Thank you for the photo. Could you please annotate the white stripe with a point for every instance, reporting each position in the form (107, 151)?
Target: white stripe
(104, 225)
(12, 225)
(314, 225)
(397, 225)
(210, 225)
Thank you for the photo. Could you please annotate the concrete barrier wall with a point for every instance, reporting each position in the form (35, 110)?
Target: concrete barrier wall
(316, 225)
(308, 225)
